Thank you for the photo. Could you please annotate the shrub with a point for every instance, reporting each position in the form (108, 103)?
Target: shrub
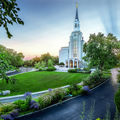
(18, 103)
(51, 68)
(117, 100)
(1, 92)
(44, 101)
(53, 96)
(24, 107)
(68, 91)
(73, 87)
(57, 96)
(13, 80)
(50, 64)
(7, 107)
(86, 69)
(43, 64)
(34, 105)
(93, 78)
(80, 87)
(11, 116)
(37, 65)
(85, 90)
(61, 63)
(74, 93)
(118, 77)
(72, 70)
(78, 92)
(6, 117)
(40, 69)
(28, 97)
(14, 113)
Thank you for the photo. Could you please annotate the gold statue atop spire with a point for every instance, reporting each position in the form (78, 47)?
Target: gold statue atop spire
(76, 5)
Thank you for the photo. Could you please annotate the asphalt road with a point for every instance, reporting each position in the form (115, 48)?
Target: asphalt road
(71, 110)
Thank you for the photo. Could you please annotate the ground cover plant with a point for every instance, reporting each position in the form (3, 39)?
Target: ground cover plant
(38, 81)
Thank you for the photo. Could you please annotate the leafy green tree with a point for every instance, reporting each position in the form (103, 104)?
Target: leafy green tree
(45, 57)
(50, 64)
(9, 14)
(37, 65)
(4, 67)
(28, 62)
(100, 51)
(14, 58)
(36, 59)
(55, 60)
(43, 64)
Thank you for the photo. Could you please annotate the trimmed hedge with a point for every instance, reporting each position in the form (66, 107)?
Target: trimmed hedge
(117, 99)
(51, 69)
(72, 70)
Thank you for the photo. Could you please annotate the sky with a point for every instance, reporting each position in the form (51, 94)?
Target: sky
(49, 23)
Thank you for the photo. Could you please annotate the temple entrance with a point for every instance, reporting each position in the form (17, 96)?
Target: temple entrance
(71, 63)
(75, 64)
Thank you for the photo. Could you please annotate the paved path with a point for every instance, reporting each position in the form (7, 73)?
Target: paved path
(22, 70)
(72, 109)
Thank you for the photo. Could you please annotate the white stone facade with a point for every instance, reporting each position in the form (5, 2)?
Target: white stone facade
(63, 54)
(72, 55)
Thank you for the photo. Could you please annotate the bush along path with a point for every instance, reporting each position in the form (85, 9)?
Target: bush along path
(12, 110)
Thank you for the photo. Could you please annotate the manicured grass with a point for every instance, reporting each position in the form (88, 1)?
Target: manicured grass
(38, 81)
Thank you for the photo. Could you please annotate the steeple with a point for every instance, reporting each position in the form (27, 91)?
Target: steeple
(76, 22)
(76, 17)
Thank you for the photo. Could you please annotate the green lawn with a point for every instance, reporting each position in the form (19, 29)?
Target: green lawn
(38, 81)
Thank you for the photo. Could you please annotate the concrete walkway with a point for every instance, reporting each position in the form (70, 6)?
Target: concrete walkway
(22, 70)
(72, 109)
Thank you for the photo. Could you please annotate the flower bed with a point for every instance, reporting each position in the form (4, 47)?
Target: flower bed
(12, 110)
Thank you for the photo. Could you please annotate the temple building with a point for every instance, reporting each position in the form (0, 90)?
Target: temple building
(72, 55)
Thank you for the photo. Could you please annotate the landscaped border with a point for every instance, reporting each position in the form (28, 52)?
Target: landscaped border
(62, 101)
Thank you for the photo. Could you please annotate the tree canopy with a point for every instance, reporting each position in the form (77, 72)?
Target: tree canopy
(9, 14)
(101, 51)
(44, 57)
(15, 59)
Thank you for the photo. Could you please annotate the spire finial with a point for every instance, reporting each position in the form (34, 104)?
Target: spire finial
(76, 17)
(76, 5)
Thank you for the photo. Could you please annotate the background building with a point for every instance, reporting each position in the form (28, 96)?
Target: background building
(72, 55)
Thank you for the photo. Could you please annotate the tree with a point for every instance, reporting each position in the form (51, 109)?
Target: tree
(36, 59)
(28, 62)
(45, 57)
(37, 65)
(14, 58)
(8, 14)
(43, 64)
(50, 64)
(100, 51)
(55, 60)
(4, 67)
